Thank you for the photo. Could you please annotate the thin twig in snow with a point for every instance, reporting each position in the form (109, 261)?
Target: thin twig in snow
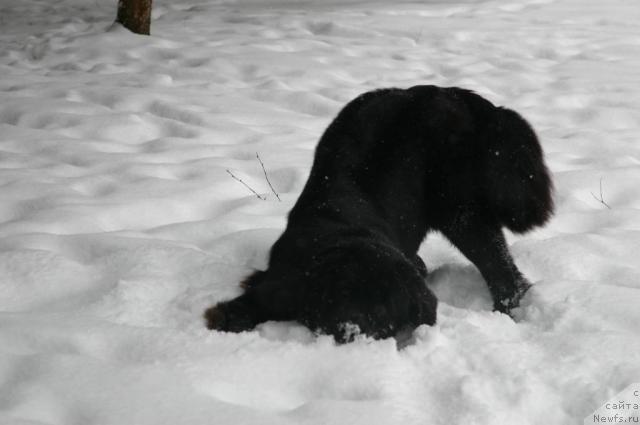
(601, 199)
(267, 177)
(247, 186)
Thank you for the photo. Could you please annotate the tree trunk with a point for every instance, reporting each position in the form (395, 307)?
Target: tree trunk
(135, 15)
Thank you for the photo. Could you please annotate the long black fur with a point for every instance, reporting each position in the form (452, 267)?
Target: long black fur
(392, 166)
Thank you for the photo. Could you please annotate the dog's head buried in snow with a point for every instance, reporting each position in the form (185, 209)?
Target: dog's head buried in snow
(392, 166)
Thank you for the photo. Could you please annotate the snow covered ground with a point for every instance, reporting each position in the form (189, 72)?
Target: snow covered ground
(119, 223)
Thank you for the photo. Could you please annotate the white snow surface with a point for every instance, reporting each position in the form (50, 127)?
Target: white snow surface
(119, 224)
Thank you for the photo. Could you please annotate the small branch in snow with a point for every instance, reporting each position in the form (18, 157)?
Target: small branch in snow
(601, 199)
(247, 186)
(267, 177)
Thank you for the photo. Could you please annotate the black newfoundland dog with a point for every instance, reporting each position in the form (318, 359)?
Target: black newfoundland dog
(392, 166)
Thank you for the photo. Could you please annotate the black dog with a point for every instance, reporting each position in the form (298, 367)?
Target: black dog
(394, 165)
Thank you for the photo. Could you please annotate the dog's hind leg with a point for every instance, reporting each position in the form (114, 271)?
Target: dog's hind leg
(262, 301)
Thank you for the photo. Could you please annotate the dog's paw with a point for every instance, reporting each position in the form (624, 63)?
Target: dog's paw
(232, 316)
(215, 319)
(507, 304)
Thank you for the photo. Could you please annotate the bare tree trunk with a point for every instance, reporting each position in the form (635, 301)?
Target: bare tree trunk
(135, 15)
